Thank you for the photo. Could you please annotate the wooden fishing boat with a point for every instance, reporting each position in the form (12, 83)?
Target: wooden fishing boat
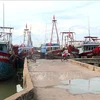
(89, 47)
(26, 48)
(7, 58)
(50, 50)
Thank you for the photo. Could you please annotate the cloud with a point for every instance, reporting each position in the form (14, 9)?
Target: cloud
(38, 14)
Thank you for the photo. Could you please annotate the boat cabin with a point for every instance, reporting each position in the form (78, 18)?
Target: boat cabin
(88, 45)
(3, 47)
(49, 47)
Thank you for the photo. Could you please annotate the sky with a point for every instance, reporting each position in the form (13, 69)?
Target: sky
(73, 15)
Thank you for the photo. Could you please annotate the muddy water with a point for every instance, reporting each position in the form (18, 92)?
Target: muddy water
(79, 86)
(8, 87)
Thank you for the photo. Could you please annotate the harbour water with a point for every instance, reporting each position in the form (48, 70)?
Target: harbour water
(8, 87)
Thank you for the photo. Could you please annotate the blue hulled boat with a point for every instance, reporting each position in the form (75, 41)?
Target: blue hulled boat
(7, 57)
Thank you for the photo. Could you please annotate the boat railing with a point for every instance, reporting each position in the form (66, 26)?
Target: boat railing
(88, 42)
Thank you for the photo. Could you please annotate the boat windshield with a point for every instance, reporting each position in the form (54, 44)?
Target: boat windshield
(3, 48)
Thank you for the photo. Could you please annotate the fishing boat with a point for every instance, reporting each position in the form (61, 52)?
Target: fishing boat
(71, 43)
(7, 58)
(89, 47)
(51, 49)
(85, 48)
(8, 54)
(26, 48)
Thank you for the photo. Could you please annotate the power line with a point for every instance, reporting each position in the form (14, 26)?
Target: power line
(17, 37)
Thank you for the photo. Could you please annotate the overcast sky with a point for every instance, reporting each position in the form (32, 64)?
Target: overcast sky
(71, 15)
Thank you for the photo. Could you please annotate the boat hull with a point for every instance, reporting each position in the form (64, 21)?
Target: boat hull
(54, 54)
(7, 66)
(6, 70)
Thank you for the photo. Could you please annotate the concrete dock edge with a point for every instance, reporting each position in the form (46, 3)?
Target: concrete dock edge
(90, 67)
(28, 90)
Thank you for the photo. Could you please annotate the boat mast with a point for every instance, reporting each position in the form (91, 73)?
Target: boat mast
(5, 32)
(26, 30)
(45, 34)
(28, 33)
(3, 16)
(4, 20)
(54, 21)
(89, 28)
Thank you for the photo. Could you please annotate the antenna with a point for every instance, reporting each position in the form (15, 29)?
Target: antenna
(89, 27)
(45, 34)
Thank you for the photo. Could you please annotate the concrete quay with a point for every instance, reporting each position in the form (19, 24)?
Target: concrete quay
(46, 75)
(28, 90)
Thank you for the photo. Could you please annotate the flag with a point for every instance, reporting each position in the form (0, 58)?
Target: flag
(53, 17)
(26, 26)
(69, 35)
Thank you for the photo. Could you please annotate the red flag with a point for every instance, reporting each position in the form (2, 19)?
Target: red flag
(53, 17)
(26, 26)
(69, 34)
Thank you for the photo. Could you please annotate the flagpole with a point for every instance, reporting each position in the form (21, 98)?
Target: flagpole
(3, 20)
(89, 27)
